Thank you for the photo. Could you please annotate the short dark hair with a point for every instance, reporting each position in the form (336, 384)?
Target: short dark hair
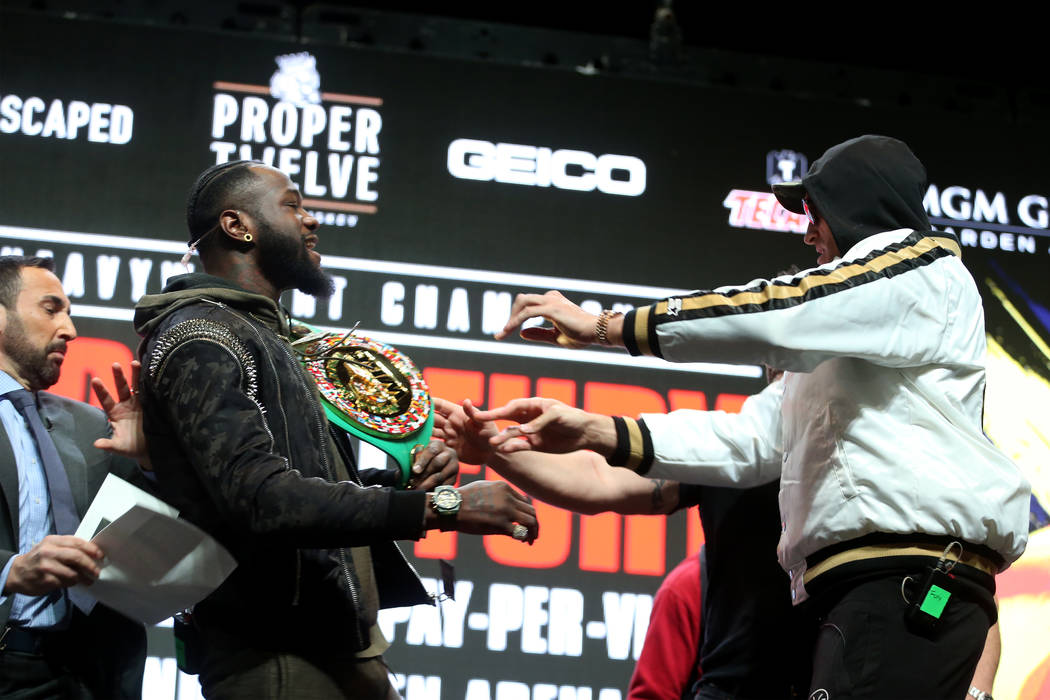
(11, 275)
(223, 186)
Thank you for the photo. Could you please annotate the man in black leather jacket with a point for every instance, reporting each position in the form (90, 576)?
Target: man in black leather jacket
(240, 444)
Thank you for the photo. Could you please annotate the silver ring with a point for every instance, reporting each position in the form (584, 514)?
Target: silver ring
(520, 532)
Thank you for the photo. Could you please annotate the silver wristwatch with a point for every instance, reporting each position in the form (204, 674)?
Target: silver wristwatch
(446, 501)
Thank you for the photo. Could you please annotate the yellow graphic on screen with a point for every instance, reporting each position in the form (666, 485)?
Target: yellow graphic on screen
(1017, 420)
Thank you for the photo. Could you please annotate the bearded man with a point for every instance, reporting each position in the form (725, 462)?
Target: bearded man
(51, 466)
(240, 444)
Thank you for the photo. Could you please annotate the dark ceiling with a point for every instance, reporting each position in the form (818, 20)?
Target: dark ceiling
(997, 42)
(990, 61)
(928, 38)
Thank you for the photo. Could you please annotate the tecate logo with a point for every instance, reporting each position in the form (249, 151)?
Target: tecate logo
(536, 166)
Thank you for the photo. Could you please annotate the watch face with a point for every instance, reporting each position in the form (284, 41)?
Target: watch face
(446, 500)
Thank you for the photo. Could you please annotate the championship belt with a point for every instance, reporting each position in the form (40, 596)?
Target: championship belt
(369, 389)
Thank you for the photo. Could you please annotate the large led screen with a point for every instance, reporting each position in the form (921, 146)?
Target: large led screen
(444, 188)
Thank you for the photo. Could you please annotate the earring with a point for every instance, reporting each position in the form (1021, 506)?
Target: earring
(247, 238)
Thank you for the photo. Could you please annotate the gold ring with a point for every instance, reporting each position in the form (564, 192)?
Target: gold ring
(415, 450)
(520, 532)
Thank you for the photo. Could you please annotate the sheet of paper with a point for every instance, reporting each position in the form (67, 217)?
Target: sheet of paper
(156, 564)
(113, 499)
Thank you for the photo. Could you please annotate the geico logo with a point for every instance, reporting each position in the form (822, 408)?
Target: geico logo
(537, 166)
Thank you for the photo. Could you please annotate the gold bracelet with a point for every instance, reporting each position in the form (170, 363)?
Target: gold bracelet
(601, 328)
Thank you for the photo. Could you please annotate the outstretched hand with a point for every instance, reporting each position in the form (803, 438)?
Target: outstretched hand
(573, 327)
(548, 425)
(124, 415)
(458, 427)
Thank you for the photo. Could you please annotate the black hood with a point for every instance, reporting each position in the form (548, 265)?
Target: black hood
(862, 187)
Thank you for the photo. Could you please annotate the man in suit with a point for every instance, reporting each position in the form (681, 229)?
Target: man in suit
(54, 643)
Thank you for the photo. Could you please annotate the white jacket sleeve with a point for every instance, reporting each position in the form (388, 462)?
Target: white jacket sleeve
(892, 300)
(715, 448)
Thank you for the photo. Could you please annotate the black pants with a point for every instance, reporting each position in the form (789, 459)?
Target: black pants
(100, 656)
(35, 677)
(865, 649)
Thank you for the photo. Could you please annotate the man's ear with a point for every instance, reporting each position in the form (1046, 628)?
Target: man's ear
(3, 319)
(234, 224)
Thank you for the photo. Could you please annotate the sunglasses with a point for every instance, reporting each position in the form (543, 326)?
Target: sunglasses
(809, 212)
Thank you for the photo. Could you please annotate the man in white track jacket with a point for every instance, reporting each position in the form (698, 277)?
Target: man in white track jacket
(897, 510)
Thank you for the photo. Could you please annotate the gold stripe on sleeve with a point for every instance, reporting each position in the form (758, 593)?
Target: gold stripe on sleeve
(641, 328)
(836, 276)
(949, 244)
(636, 451)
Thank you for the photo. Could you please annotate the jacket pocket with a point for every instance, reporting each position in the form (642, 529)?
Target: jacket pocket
(840, 465)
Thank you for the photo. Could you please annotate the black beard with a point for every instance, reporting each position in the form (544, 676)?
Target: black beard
(286, 264)
(32, 363)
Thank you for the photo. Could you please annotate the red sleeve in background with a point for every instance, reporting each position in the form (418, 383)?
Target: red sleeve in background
(671, 642)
